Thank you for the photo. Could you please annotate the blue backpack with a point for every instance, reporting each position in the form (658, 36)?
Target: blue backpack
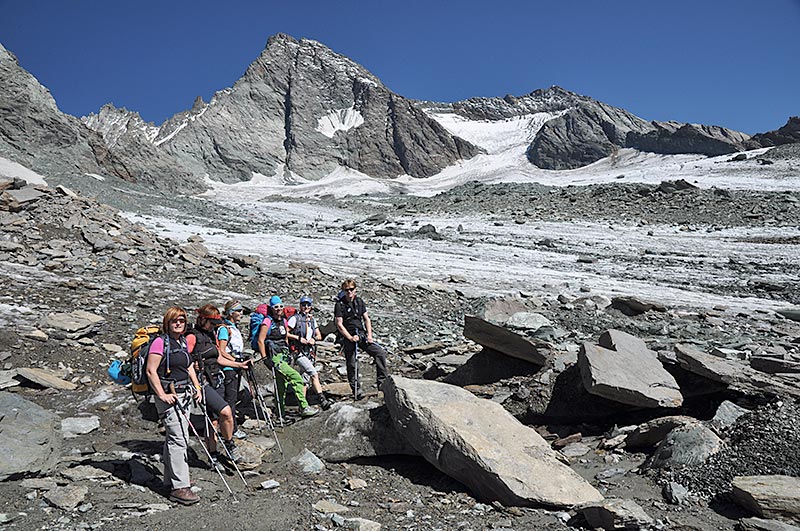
(256, 320)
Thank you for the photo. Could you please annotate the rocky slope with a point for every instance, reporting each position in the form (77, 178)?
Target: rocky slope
(787, 134)
(35, 133)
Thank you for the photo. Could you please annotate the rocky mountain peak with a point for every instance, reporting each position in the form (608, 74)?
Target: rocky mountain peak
(113, 123)
(300, 108)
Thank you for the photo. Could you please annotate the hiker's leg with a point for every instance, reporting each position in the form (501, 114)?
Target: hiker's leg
(230, 392)
(309, 373)
(295, 381)
(222, 411)
(349, 349)
(280, 382)
(379, 354)
(176, 443)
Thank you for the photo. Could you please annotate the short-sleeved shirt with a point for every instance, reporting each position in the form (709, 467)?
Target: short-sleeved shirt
(352, 314)
(179, 358)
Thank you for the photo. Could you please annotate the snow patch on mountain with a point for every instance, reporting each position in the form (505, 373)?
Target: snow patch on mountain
(190, 118)
(495, 136)
(339, 120)
(11, 170)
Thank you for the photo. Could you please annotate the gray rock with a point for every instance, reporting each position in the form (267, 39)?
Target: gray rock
(84, 472)
(502, 340)
(787, 134)
(308, 462)
(361, 524)
(481, 445)
(73, 322)
(726, 415)
(613, 514)
(528, 321)
(44, 378)
(734, 374)
(675, 493)
(329, 507)
(576, 449)
(687, 445)
(633, 306)
(73, 426)
(652, 432)
(30, 440)
(632, 376)
(769, 496)
(66, 498)
(760, 524)
(358, 430)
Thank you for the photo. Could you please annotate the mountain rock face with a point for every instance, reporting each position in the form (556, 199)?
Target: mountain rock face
(136, 157)
(33, 132)
(585, 130)
(788, 134)
(672, 138)
(36, 134)
(304, 109)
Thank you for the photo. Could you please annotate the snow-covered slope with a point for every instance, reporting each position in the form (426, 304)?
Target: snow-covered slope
(505, 142)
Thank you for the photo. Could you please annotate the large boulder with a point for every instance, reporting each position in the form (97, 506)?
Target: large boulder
(30, 440)
(769, 496)
(631, 375)
(357, 430)
(688, 445)
(479, 443)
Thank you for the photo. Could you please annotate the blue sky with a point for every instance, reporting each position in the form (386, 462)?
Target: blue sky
(724, 62)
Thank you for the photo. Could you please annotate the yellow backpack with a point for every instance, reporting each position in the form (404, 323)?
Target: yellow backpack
(140, 346)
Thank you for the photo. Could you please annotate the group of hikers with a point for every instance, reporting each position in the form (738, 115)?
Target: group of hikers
(204, 366)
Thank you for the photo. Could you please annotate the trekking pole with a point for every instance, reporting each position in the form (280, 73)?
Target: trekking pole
(222, 443)
(355, 364)
(205, 448)
(251, 377)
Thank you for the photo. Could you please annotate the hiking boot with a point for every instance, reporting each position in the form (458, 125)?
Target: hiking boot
(325, 402)
(309, 411)
(184, 496)
(233, 450)
(240, 434)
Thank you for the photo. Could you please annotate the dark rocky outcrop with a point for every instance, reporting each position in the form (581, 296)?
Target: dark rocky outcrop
(788, 134)
(671, 138)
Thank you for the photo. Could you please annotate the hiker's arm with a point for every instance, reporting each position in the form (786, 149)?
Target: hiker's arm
(343, 330)
(225, 360)
(262, 336)
(367, 326)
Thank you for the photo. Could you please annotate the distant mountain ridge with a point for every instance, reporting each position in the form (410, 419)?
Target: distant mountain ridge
(302, 111)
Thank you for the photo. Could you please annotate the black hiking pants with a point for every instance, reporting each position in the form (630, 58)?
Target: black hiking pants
(373, 349)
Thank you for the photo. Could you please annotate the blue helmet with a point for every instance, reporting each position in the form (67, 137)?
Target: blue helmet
(275, 300)
(306, 299)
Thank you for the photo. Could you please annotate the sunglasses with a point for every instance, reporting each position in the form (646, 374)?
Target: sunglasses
(279, 307)
(349, 289)
(305, 304)
(178, 320)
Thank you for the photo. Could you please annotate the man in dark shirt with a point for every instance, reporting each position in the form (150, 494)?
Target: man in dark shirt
(355, 327)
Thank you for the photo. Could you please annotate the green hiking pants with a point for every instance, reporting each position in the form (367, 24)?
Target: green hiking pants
(285, 374)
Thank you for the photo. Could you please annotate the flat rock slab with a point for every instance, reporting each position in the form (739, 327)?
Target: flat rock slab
(652, 432)
(502, 340)
(308, 462)
(735, 374)
(761, 524)
(687, 445)
(74, 321)
(73, 426)
(632, 375)
(66, 498)
(329, 507)
(480, 444)
(769, 496)
(613, 514)
(361, 524)
(85, 472)
(45, 378)
(30, 440)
